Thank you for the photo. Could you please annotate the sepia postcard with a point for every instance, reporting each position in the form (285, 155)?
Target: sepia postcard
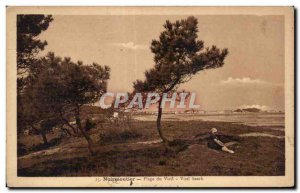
(150, 97)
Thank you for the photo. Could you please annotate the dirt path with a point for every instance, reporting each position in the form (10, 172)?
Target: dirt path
(258, 134)
(79, 149)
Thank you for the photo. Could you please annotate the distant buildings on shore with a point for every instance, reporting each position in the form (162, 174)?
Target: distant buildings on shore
(211, 112)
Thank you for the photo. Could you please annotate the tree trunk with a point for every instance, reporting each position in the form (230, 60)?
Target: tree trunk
(42, 133)
(73, 128)
(66, 131)
(84, 133)
(158, 122)
(44, 138)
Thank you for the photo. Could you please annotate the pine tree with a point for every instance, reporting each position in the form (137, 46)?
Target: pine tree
(178, 56)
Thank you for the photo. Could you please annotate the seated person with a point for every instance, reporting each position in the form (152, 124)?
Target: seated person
(215, 143)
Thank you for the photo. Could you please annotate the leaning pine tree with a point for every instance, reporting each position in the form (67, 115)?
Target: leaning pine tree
(178, 55)
(60, 89)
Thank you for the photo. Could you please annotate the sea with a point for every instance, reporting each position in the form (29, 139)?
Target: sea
(274, 120)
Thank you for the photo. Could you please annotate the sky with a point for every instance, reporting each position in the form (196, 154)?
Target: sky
(252, 76)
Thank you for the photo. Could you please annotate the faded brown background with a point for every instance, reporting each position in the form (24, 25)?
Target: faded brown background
(253, 74)
(209, 181)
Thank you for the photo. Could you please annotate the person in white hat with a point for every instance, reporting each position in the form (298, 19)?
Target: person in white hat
(215, 143)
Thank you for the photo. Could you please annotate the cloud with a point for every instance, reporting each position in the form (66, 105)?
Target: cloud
(130, 46)
(261, 107)
(245, 80)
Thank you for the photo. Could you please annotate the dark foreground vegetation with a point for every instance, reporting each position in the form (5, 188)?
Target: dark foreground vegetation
(135, 151)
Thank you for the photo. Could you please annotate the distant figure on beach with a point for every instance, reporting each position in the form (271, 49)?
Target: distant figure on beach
(215, 143)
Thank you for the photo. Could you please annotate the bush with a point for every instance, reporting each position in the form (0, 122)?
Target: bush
(42, 146)
(21, 149)
(89, 125)
(162, 162)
